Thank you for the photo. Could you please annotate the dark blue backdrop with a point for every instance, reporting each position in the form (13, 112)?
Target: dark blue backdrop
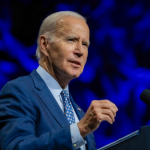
(118, 62)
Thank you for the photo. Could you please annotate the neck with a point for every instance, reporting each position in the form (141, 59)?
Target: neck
(63, 80)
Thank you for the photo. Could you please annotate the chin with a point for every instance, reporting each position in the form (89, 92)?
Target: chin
(75, 75)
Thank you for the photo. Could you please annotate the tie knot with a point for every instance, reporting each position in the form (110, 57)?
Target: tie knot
(64, 94)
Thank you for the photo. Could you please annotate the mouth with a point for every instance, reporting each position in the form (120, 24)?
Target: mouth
(76, 63)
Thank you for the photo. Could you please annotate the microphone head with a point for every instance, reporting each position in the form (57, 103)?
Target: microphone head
(145, 96)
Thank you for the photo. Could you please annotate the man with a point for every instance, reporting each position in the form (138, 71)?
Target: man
(36, 111)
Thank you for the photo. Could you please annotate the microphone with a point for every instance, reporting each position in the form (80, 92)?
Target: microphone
(145, 96)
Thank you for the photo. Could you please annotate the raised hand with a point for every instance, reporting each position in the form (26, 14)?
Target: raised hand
(99, 110)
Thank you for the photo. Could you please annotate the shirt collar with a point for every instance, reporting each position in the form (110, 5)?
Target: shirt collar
(52, 84)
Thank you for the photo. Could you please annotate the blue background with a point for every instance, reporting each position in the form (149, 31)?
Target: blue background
(118, 63)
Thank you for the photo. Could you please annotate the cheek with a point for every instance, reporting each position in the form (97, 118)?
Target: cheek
(85, 56)
(61, 57)
(56, 53)
(67, 52)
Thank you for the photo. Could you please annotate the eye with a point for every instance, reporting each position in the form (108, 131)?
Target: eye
(86, 45)
(71, 40)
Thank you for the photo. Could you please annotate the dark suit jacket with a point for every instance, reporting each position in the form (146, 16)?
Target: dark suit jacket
(31, 119)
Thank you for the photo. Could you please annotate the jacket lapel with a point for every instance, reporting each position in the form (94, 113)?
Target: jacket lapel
(77, 109)
(47, 98)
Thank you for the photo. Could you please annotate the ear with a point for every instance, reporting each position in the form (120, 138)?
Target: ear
(43, 44)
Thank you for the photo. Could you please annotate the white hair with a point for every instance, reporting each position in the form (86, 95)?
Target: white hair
(48, 27)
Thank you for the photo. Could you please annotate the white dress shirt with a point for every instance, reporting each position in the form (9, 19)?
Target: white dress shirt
(56, 89)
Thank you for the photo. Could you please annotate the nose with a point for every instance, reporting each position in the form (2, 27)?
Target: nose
(78, 49)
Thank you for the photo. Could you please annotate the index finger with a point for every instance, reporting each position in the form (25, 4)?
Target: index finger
(108, 103)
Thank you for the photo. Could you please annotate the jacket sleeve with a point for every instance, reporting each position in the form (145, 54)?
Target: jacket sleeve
(17, 124)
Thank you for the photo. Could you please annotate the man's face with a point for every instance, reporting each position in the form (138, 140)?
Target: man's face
(68, 52)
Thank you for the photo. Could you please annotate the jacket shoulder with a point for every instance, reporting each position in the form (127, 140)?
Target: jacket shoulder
(18, 82)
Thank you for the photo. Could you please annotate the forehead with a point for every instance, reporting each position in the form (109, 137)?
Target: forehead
(73, 25)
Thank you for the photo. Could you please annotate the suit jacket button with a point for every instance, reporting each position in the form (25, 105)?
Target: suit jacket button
(74, 145)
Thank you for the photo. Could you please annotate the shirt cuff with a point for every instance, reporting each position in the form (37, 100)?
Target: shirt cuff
(76, 137)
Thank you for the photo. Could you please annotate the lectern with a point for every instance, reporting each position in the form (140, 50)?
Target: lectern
(138, 140)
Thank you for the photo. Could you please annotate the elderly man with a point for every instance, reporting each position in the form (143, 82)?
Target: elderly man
(36, 111)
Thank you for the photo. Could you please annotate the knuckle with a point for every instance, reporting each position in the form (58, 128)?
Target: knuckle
(107, 101)
(93, 103)
(108, 118)
(109, 111)
(100, 117)
(95, 110)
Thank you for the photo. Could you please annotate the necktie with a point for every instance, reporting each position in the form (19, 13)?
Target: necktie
(68, 111)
